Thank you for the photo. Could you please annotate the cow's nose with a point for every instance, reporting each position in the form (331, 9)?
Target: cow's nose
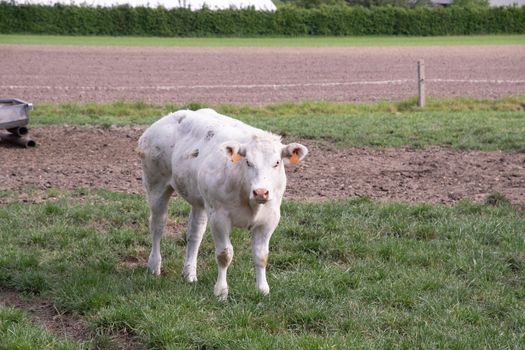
(261, 195)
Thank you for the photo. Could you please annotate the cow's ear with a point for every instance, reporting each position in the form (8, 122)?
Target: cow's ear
(234, 150)
(294, 153)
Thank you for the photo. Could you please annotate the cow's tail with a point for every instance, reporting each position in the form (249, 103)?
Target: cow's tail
(140, 149)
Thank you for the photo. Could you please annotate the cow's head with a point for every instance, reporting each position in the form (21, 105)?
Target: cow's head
(261, 163)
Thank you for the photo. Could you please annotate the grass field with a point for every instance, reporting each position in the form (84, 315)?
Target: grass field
(379, 41)
(349, 274)
(461, 124)
(344, 274)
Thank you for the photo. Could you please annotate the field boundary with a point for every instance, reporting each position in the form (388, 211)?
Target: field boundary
(285, 21)
(258, 86)
(264, 42)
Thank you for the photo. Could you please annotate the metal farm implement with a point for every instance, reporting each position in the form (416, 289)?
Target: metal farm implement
(14, 118)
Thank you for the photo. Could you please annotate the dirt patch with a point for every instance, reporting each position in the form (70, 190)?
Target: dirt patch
(89, 157)
(436, 175)
(45, 314)
(74, 157)
(257, 75)
(132, 262)
(64, 325)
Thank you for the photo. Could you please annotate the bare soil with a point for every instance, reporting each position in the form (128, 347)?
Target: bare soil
(65, 325)
(73, 157)
(256, 75)
(45, 314)
(90, 157)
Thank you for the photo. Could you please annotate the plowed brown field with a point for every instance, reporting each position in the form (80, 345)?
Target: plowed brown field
(72, 157)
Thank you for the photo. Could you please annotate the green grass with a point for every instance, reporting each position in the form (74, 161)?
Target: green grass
(459, 123)
(348, 274)
(372, 41)
(17, 332)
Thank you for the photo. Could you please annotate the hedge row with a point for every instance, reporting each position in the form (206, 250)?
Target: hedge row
(286, 21)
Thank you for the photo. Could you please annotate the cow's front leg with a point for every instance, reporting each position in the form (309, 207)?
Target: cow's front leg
(221, 226)
(260, 248)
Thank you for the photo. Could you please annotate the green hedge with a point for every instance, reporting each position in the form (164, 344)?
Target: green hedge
(286, 21)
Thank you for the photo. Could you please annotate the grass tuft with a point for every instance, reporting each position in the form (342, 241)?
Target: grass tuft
(497, 199)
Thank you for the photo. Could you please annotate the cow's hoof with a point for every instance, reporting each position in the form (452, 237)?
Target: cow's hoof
(264, 289)
(190, 275)
(154, 266)
(221, 292)
(154, 270)
(191, 278)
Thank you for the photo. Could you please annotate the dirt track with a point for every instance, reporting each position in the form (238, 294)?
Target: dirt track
(256, 75)
(91, 157)
(73, 157)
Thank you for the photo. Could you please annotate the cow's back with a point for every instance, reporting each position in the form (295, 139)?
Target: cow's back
(178, 145)
(206, 127)
(185, 129)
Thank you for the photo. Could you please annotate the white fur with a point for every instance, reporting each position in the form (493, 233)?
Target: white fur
(190, 152)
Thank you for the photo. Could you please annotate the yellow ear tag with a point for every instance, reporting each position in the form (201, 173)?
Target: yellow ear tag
(294, 159)
(236, 157)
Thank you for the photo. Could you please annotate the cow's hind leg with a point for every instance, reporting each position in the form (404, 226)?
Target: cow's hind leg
(196, 228)
(158, 199)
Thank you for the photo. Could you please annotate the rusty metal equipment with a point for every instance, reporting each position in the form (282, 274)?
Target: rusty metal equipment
(14, 117)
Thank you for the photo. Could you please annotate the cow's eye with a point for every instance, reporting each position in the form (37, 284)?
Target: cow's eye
(277, 164)
(249, 164)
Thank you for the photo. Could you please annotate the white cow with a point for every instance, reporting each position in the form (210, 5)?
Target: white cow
(232, 175)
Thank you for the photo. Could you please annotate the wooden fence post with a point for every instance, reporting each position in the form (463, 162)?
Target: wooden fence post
(421, 83)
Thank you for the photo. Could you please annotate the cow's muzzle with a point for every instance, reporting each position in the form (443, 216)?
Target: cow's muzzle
(261, 195)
